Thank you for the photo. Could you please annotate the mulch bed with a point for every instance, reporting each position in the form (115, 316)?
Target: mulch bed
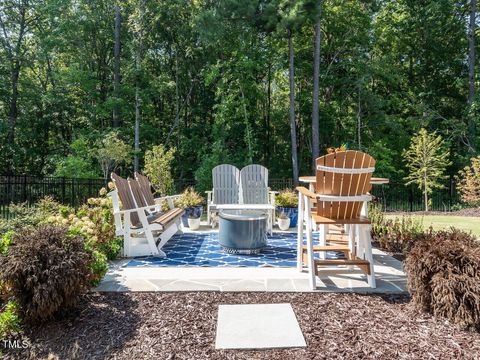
(471, 212)
(183, 325)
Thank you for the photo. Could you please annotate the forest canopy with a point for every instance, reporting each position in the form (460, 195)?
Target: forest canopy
(211, 79)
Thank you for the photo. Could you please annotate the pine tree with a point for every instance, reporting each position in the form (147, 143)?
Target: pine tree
(426, 160)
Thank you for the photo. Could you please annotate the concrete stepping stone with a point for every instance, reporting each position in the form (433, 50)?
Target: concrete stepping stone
(258, 326)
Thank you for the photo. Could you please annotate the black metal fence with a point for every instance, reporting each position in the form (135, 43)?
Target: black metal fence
(73, 192)
(399, 197)
(30, 189)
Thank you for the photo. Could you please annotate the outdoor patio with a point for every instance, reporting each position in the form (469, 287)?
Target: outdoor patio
(196, 262)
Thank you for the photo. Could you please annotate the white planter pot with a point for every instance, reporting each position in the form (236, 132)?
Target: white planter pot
(284, 224)
(193, 223)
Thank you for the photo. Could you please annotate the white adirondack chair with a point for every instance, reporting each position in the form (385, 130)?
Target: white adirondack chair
(145, 231)
(226, 189)
(254, 190)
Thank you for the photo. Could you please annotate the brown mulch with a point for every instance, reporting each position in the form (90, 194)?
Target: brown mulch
(471, 212)
(183, 325)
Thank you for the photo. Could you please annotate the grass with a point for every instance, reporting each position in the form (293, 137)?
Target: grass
(439, 222)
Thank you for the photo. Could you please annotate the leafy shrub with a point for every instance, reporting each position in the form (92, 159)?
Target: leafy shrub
(469, 183)
(9, 319)
(45, 270)
(94, 222)
(189, 199)
(25, 215)
(395, 235)
(158, 168)
(443, 272)
(287, 198)
(98, 267)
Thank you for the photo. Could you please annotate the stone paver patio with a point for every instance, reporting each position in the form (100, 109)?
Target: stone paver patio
(121, 278)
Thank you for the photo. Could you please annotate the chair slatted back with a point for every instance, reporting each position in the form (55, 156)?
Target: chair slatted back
(145, 189)
(126, 197)
(343, 184)
(254, 184)
(226, 184)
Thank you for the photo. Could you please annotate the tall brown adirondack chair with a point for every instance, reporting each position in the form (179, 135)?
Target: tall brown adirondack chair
(342, 189)
(145, 230)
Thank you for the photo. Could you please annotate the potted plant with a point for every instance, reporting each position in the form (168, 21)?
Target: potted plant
(287, 203)
(191, 202)
(283, 221)
(193, 222)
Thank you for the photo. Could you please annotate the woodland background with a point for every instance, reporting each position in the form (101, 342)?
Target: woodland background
(211, 78)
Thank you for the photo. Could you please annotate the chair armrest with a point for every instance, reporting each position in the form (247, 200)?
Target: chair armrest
(135, 210)
(306, 192)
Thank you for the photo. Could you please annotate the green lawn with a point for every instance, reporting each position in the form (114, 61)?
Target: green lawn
(443, 222)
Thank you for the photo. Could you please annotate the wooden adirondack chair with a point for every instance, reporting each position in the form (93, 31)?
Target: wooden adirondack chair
(144, 230)
(342, 186)
(226, 189)
(146, 190)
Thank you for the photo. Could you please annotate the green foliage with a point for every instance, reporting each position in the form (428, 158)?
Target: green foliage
(287, 198)
(443, 272)
(94, 222)
(24, 215)
(45, 270)
(98, 267)
(158, 168)
(394, 235)
(78, 164)
(189, 199)
(214, 82)
(9, 319)
(5, 241)
(111, 152)
(426, 160)
(469, 182)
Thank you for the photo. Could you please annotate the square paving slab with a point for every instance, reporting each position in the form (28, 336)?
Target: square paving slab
(258, 326)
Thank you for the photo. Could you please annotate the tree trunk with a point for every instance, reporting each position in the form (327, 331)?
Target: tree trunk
(116, 70)
(293, 129)
(471, 69)
(138, 100)
(316, 85)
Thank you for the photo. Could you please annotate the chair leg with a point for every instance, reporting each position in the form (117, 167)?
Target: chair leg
(368, 254)
(360, 242)
(208, 214)
(300, 233)
(352, 244)
(311, 259)
(323, 239)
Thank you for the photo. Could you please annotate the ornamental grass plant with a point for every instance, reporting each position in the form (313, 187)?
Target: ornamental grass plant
(443, 272)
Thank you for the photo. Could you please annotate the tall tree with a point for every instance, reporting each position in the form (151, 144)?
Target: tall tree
(471, 69)
(116, 69)
(293, 126)
(316, 86)
(14, 26)
(138, 70)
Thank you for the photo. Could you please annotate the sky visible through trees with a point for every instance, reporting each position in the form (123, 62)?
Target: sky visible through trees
(213, 79)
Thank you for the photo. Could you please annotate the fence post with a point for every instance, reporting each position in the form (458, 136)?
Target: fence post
(410, 197)
(63, 189)
(24, 189)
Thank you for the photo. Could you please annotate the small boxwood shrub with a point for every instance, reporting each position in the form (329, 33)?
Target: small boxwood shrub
(443, 271)
(46, 270)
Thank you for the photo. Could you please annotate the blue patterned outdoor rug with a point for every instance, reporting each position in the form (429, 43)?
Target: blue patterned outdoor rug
(203, 249)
